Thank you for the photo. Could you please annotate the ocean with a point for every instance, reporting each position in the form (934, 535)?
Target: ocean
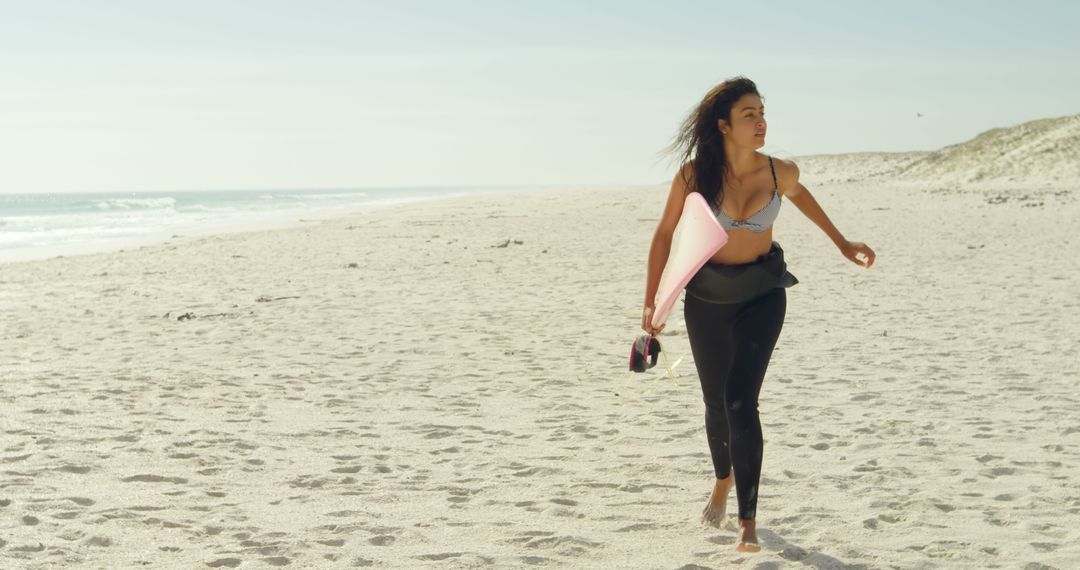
(37, 226)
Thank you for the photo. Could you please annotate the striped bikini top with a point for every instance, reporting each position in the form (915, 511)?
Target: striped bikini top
(761, 220)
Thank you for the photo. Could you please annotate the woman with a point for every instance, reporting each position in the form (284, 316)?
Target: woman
(735, 305)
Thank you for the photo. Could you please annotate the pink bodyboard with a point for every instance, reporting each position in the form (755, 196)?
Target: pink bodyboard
(697, 237)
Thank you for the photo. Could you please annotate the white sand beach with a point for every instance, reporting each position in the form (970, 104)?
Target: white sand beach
(445, 385)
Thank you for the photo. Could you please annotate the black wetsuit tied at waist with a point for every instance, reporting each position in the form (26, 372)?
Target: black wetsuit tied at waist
(721, 283)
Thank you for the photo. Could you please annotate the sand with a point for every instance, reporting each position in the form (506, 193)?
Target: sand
(444, 385)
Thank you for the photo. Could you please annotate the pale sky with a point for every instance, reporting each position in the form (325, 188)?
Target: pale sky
(148, 95)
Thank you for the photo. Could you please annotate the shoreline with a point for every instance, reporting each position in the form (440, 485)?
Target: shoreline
(284, 220)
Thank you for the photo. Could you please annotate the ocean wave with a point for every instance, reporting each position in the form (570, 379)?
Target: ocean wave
(137, 204)
(327, 196)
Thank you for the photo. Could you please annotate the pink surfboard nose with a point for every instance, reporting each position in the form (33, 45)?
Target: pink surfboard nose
(698, 236)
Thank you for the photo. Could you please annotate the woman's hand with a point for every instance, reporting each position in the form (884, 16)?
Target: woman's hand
(851, 249)
(646, 321)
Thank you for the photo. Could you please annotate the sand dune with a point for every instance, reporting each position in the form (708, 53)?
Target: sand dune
(1034, 155)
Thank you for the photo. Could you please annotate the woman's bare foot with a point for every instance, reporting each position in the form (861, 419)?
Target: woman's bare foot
(747, 541)
(715, 511)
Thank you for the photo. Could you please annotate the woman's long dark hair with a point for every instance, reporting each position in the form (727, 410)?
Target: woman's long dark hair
(699, 137)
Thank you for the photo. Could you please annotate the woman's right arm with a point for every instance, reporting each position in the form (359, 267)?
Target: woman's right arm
(661, 242)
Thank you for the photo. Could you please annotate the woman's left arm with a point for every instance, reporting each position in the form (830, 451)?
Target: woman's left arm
(793, 190)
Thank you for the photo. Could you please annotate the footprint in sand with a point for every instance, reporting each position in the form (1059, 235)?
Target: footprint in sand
(639, 527)
(154, 479)
(224, 563)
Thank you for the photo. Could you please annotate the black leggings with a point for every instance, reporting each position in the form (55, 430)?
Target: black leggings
(732, 344)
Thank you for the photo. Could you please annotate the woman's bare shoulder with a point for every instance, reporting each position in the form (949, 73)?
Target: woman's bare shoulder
(785, 166)
(685, 176)
(787, 174)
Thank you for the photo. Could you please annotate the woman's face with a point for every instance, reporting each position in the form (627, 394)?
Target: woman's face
(747, 127)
